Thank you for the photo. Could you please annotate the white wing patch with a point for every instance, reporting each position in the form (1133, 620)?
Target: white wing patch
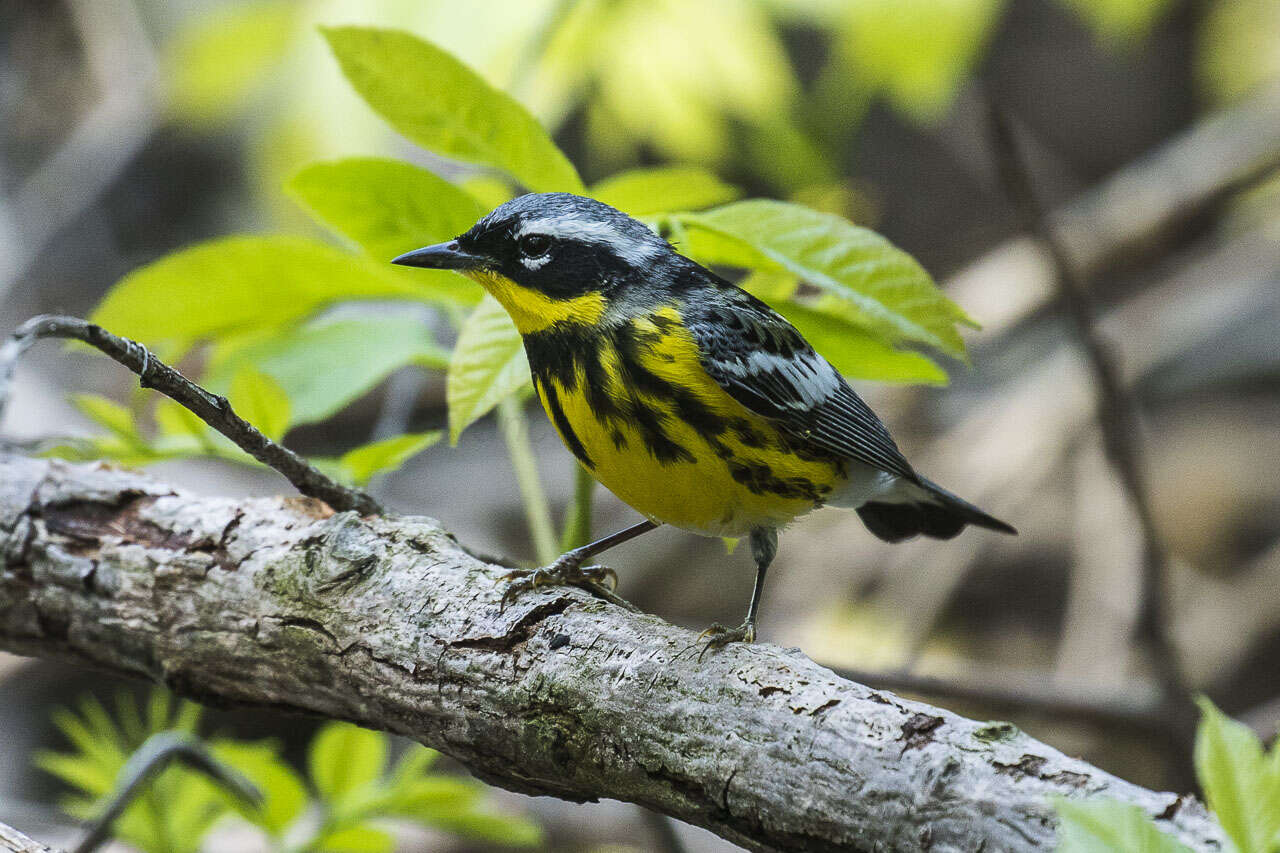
(603, 233)
(809, 375)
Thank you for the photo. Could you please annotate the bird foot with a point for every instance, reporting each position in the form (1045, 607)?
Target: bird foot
(718, 636)
(563, 572)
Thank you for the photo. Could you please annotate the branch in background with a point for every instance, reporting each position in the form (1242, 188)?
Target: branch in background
(387, 622)
(1118, 420)
(1130, 217)
(213, 409)
(107, 137)
(153, 756)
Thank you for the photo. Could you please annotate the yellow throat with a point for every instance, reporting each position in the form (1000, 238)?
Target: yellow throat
(533, 311)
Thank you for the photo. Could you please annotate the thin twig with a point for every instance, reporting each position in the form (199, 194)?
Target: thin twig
(1117, 418)
(152, 757)
(211, 408)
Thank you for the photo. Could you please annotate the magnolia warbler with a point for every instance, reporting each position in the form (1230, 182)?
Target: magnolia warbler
(690, 399)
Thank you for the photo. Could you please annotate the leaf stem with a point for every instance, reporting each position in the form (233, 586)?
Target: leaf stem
(577, 521)
(515, 432)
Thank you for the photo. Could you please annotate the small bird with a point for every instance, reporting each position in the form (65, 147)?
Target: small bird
(687, 397)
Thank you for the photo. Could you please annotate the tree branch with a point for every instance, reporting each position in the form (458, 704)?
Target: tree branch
(157, 753)
(210, 408)
(12, 841)
(280, 603)
(1118, 421)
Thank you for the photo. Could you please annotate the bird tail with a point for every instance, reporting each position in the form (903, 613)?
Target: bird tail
(933, 511)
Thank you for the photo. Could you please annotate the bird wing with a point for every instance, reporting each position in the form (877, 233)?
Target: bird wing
(765, 364)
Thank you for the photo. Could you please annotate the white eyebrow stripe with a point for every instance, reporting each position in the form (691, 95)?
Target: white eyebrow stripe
(603, 233)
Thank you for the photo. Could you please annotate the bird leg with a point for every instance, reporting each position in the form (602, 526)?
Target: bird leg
(568, 570)
(764, 546)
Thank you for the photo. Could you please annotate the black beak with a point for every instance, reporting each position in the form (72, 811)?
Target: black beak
(442, 256)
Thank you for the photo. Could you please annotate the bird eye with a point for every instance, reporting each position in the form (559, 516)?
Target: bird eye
(535, 245)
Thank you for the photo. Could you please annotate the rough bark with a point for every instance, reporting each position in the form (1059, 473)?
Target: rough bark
(12, 841)
(282, 604)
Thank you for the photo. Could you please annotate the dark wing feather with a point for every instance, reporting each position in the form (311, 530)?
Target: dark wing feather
(766, 365)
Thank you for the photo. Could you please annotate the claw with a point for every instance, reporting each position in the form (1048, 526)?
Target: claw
(602, 575)
(563, 572)
(718, 636)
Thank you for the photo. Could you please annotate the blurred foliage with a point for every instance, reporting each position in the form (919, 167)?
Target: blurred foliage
(259, 311)
(1240, 780)
(645, 192)
(225, 57)
(1240, 47)
(707, 83)
(1119, 22)
(916, 53)
(347, 803)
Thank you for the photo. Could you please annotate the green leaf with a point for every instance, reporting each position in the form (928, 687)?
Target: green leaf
(498, 828)
(1238, 49)
(284, 796)
(1108, 826)
(644, 192)
(217, 62)
(712, 248)
(826, 322)
(108, 414)
(857, 353)
(1240, 784)
(242, 283)
(682, 77)
(187, 717)
(325, 365)
(1119, 22)
(894, 296)
(489, 189)
(159, 709)
(78, 771)
(441, 104)
(919, 53)
(176, 419)
(388, 207)
(105, 749)
(429, 798)
(104, 729)
(357, 839)
(99, 448)
(129, 718)
(192, 805)
(261, 401)
(343, 757)
(364, 463)
(488, 365)
(415, 762)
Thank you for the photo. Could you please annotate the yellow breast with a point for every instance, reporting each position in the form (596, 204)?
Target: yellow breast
(659, 432)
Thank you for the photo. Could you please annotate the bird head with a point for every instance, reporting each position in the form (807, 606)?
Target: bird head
(551, 258)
